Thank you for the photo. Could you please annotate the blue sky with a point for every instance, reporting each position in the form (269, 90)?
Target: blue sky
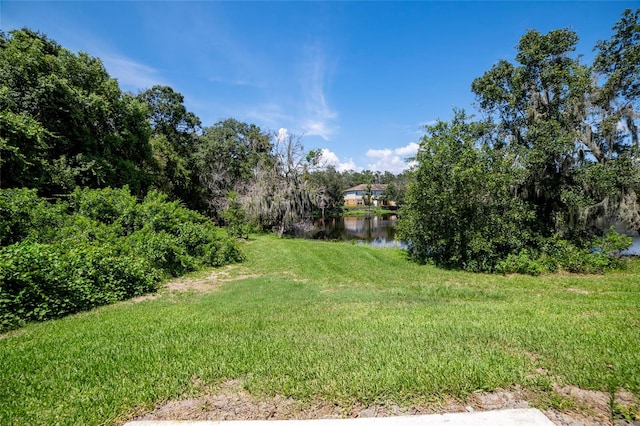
(357, 79)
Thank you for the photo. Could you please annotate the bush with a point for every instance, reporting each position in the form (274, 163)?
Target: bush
(96, 247)
(222, 252)
(559, 254)
(163, 251)
(105, 205)
(42, 281)
(16, 214)
(522, 263)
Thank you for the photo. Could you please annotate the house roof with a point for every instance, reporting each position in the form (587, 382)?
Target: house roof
(363, 187)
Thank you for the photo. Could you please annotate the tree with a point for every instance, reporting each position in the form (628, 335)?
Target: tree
(535, 104)
(174, 140)
(575, 139)
(168, 116)
(280, 197)
(537, 183)
(22, 150)
(460, 209)
(390, 193)
(228, 158)
(65, 121)
(366, 197)
(327, 185)
(612, 133)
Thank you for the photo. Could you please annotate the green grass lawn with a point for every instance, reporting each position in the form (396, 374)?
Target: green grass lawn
(332, 322)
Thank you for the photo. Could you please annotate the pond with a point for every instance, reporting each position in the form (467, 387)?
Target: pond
(635, 247)
(372, 230)
(380, 231)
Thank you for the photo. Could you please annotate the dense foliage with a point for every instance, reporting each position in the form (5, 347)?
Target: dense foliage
(64, 122)
(69, 134)
(535, 185)
(175, 136)
(96, 247)
(459, 210)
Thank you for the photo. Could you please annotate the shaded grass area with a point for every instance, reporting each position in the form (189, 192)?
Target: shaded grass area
(331, 321)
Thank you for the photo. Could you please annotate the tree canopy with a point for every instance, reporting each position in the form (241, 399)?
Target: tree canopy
(65, 122)
(553, 162)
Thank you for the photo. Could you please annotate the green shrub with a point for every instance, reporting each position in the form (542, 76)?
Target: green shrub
(42, 281)
(94, 248)
(521, 263)
(163, 251)
(556, 254)
(159, 214)
(613, 242)
(222, 252)
(105, 205)
(16, 210)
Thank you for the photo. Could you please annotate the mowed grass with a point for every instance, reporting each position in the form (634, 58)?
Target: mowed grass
(336, 322)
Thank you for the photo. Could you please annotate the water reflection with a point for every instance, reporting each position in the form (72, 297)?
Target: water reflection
(372, 230)
(381, 231)
(634, 249)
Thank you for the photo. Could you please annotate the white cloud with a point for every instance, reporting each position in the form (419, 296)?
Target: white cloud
(282, 135)
(131, 75)
(411, 149)
(392, 164)
(379, 153)
(394, 161)
(348, 165)
(329, 158)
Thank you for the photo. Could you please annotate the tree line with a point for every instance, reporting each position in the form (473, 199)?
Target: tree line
(65, 124)
(553, 161)
(532, 184)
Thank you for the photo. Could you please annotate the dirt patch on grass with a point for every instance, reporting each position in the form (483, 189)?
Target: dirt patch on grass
(591, 408)
(230, 401)
(207, 284)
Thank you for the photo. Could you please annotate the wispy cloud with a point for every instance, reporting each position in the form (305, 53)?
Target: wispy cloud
(424, 124)
(131, 75)
(270, 115)
(236, 82)
(319, 117)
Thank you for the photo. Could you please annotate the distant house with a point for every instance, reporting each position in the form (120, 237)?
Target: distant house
(354, 197)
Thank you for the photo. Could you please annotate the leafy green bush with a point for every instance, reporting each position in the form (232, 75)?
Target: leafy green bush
(16, 211)
(559, 254)
(521, 263)
(106, 205)
(222, 252)
(42, 281)
(95, 248)
(163, 251)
